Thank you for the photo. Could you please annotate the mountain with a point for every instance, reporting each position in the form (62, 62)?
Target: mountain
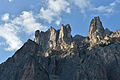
(56, 55)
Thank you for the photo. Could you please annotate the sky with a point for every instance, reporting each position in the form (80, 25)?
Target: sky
(19, 19)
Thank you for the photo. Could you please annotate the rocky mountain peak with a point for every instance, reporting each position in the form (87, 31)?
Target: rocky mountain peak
(52, 37)
(65, 33)
(37, 36)
(96, 30)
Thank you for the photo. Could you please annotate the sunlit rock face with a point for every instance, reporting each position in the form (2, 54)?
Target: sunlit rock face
(96, 30)
(46, 39)
(52, 37)
(56, 55)
(65, 34)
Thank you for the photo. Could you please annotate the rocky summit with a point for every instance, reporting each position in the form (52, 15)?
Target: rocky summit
(56, 55)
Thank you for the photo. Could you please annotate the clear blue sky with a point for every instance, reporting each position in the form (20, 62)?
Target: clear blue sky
(20, 18)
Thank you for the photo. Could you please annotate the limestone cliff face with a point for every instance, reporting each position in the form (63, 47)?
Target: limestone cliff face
(96, 30)
(65, 37)
(51, 37)
(115, 34)
(65, 34)
(46, 39)
(56, 55)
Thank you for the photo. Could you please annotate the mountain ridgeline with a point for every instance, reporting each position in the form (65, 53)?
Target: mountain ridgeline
(56, 55)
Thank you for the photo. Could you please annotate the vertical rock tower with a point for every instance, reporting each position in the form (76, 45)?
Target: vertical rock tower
(52, 37)
(96, 31)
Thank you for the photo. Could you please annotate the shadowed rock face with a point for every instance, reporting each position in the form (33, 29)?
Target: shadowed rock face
(56, 55)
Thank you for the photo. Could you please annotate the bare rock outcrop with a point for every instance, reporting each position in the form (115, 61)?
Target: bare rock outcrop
(46, 39)
(51, 38)
(115, 34)
(65, 34)
(96, 31)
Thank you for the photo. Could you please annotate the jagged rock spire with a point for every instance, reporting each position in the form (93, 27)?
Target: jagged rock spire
(65, 33)
(46, 39)
(96, 30)
(36, 39)
(52, 37)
